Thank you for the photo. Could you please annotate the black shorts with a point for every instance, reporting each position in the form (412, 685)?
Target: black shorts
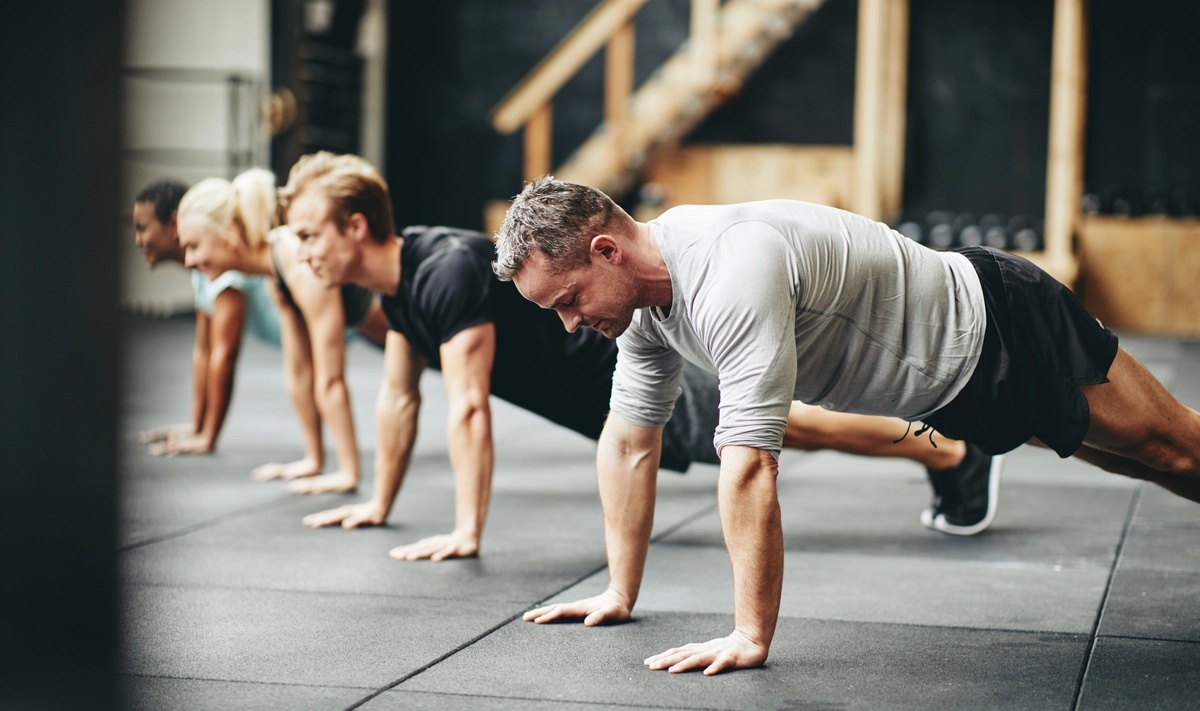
(1039, 346)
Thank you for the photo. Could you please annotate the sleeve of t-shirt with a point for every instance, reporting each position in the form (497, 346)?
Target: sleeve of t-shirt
(744, 311)
(456, 294)
(206, 291)
(200, 292)
(647, 378)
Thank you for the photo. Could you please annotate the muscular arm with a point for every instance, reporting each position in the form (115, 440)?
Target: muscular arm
(158, 437)
(323, 315)
(396, 411)
(298, 380)
(750, 520)
(467, 368)
(627, 467)
(200, 370)
(225, 329)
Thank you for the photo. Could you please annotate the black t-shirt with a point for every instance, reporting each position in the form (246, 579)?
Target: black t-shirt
(447, 286)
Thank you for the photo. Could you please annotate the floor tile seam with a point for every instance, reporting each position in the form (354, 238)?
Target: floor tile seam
(1137, 638)
(1004, 564)
(172, 677)
(1085, 665)
(364, 593)
(615, 704)
(471, 642)
(1145, 568)
(920, 625)
(207, 523)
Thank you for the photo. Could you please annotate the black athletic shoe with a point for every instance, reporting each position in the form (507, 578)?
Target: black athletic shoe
(964, 497)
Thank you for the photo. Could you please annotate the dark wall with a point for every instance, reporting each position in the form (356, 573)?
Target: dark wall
(324, 74)
(802, 93)
(450, 63)
(978, 106)
(1143, 124)
(59, 135)
(978, 98)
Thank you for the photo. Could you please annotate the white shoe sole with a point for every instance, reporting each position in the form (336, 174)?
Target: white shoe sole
(941, 524)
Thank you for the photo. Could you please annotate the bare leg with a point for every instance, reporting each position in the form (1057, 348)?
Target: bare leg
(1134, 418)
(813, 428)
(1185, 486)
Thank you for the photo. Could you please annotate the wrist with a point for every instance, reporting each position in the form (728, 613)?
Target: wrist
(379, 510)
(621, 597)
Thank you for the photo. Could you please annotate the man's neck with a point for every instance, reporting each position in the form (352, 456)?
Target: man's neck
(379, 268)
(651, 270)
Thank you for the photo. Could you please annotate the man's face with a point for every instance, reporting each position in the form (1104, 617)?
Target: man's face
(328, 251)
(599, 296)
(156, 240)
(206, 252)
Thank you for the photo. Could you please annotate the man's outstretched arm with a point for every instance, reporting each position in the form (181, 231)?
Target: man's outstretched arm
(467, 360)
(750, 520)
(396, 411)
(627, 469)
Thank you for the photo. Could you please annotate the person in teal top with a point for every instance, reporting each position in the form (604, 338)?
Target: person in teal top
(225, 309)
(262, 318)
(226, 227)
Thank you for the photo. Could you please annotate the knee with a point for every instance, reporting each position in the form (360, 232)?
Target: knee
(1172, 459)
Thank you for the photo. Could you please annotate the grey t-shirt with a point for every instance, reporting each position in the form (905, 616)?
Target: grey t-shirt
(786, 300)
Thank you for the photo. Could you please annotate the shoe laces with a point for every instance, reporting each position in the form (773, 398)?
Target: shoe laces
(920, 431)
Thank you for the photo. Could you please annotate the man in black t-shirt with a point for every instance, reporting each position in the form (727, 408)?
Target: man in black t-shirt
(447, 311)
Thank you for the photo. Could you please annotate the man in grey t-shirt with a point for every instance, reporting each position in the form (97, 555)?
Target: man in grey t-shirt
(792, 301)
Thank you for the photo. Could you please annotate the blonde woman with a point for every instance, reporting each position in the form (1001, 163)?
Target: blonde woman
(226, 308)
(226, 226)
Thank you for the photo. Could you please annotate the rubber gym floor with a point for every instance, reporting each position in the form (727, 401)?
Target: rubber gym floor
(1082, 595)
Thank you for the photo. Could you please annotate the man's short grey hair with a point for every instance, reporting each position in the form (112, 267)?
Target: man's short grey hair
(557, 218)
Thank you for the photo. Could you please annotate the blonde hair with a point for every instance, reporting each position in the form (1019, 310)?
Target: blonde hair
(352, 186)
(217, 206)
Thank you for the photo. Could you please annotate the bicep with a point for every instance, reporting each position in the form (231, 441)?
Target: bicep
(467, 360)
(646, 381)
(228, 320)
(402, 365)
(324, 318)
(746, 318)
(628, 436)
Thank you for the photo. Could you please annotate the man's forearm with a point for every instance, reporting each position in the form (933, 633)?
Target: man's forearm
(396, 424)
(472, 458)
(750, 519)
(627, 481)
(333, 401)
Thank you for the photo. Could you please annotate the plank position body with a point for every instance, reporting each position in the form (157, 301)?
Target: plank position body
(226, 307)
(226, 226)
(787, 300)
(448, 312)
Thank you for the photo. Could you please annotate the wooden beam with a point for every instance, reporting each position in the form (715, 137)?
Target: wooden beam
(702, 42)
(540, 85)
(618, 86)
(895, 110)
(538, 132)
(1064, 166)
(868, 107)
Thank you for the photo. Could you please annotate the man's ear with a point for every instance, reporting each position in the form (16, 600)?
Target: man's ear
(605, 247)
(356, 226)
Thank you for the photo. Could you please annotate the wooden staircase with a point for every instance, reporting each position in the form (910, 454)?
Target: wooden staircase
(727, 42)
